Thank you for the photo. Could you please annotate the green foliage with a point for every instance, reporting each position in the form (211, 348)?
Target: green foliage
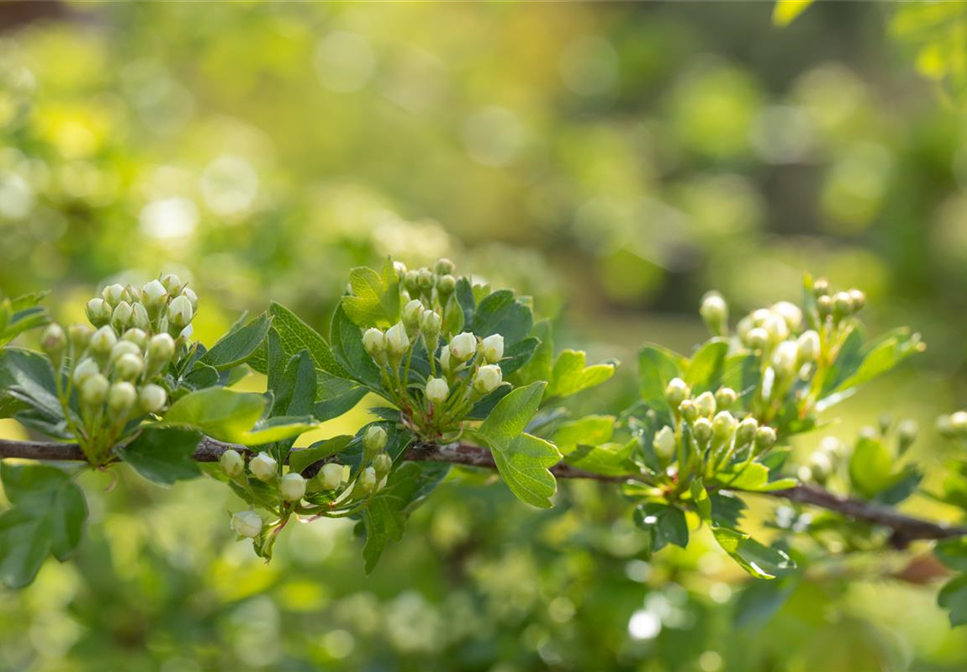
(162, 456)
(20, 314)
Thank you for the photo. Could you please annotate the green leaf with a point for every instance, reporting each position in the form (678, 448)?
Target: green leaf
(31, 375)
(541, 364)
(591, 430)
(847, 362)
(347, 346)
(953, 597)
(511, 415)
(524, 465)
(666, 524)
(162, 455)
(375, 298)
(571, 376)
(299, 460)
(335, 396)
(881, 356)
(276, 429)
(501, 313)
(760, 561)
(609, 459)
(47, 517)
(294, 391)
(952, 553)
(237, 346)
(517, 355)
(656, 367)
(295, 336)
(871, 467)
(785, 12)
(706, 368)
(700, 498)
(385, 516)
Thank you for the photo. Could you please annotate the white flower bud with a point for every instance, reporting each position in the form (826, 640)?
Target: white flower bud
(264, 467)
(331, 475)
(136, 336)
(724, 424)
(463, 346)
(445, 284)
(842, 305)
(152, 398)
(677, 391)
(128, 367)
(172, 284)
(397, 341)
(374, 440)
(233, 464)
(790, 313)
(665, 443)
(86, 368)
(247, 524)
(431, 324)
(705, 403)
(445, 360)
(745, 434)
(382, 464)
(488, 379)
(113, 294)
(124, 347)
(809, 346)
(702, 428)
(958, 421)
(757, 338)
(161, 348)
(444, 267)
(365, 483)
(374, 343)
(80, 337)
(412, 312)
(411, 280)
(154, 294)
(492, 348)
(715, 312)
(400, 269)
(122, 316)
(180, 312)
(189, 294)
(53, 342)
(725, 397)
(765, 438)
(857, 300)
(425, 279)
(437, 390)
(139, 317)
(785, 358)
(94, 390)
(776, 327)
(99, 312)
(103, 341)
(121, 398)
(293, 487)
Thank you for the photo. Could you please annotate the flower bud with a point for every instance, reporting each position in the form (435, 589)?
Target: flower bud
(128, 367)
(412, 281)
(702, 428)
(136, 336)
(264, 467)
(842, 305)
(121, 399)
(180, 313)
(365, 483)
(192, 297)
(488, 379)
(664, 443)
(958, 421)
(330, 476)
(760, 316)
(463, 346)
(821, 287)
(172, 284)
(809, 346)
(785, 358)
(374, 343)
(103, 341)
(492, 348)
(445, 360)
(437, 390)
(724, 425)
(247, 524)
(131, 294)
(80, 337)
(232, 462)
(425, 279)
(777, 328)
(765, 438)
(382, 464)
(113, 294)
(857, 300)
(790, 313)
(444, 267)
(94, 390)
(374, 440)
(676, 392)
(99, 312)
(139, 317)
(705, 403)
(725, 397)
(122, 316)
(820, 467)
(745, 433)
(688, 410)
(445, 284)
(412, 312)
(757, 339)
(397, 341)
(293, 487)
(86, 368)
(945, 427)
(122, 348)
(400, 269)
(152, 398)
(53, 342)
(154, 294)
(161, 348)
(431, 324)
(824, 304)
(715, 312)
(906, 433)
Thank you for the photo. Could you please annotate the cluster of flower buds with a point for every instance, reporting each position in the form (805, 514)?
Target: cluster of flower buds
(463, 367)
(715, 435)
(836, 307)
(824, 462)
(953, 426)
(163, 306)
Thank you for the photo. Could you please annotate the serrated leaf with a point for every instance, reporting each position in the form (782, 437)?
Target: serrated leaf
(31, 374)
(656, 367)
(881, 356)
(953, 598)
(666, 524)
(501, 313)
(524, 465)
(295, 336)
(705, 370)
(347, 346)
(608, 459)
(375, 298)
(237, 346)
(335, 396)
(591, 430)
(163, 455)
(570, 375)
(760, 561)
(540, 366)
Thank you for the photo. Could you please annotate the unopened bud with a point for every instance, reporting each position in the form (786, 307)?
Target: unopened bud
(842, 305)
(857, 300)
(705, 403)
(180, 313)
(958, 421)
(397, 341)
(330, 476)
(445, 360)
(715, 313)
(80, 337)
(463, 346)
(445, 284)
(785, 358)
(128, 367)
(757, 339)
(723, 426)
(676, 392)
(492, 348)
(374, 440)
(824, 304)
(488, 379)
(400, 269)
(172, 284)
(745, 433)
(232, 462)
(777, 328)
(665, 443)
(688, 410)
(99, 312)
(374, 343)
(131, 294)
(113, 294)
(412, 281)
(86, 368)
(189, 294)
(154, 295)
(444, 267)
(702, 428)
(431, 324)
(247, 524)
(136, 336)
(425, 279)
(725, 397)
(944, 426)
(293, 487)
(264, 467)
(53, 342)
(821, 287)
(161, 348)
(94, 390)
(412, 312)
(122, 316)
(139, 317)
(906, 432)
(103, 341)
(437, 390)
(790, 313)
(122, 348)
(121, 399)
(382, 464)
(765, 438)
(809, 346)
(365, 483)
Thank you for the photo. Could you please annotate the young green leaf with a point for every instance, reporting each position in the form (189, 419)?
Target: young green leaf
(295, 336)
(163, 455)
(760, 561)
(347, 346)
(953, 597)
(656, 367)
(237, 346)
(375, 298)
(299, 460)
(540, 366)
(591, 430)
(501, 313)
(571, 376)
(706, 369)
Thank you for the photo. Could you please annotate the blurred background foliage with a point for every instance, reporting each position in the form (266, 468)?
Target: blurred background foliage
(614, 161)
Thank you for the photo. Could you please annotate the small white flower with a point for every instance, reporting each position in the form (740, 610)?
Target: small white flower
(492, 348)
(247, 523)
(463, 346)
(331, 475)
(293, 487)
(785, 358)
(113, 294)
(264, 467)
(437, 390)
(808, 346)
(488, 379)
(180, 312)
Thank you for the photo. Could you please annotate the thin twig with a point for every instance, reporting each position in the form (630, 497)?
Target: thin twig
(905, 529)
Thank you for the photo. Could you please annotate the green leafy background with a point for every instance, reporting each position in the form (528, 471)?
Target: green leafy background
(613, 162)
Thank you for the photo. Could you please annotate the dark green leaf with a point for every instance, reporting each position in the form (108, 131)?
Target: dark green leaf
(347, 346)
(953, 597)
(666, 524)
(163, 455)
(541, 364)
(295, 336)
(501, 313)
(237, 346)
(656, 367)
(320, 450)
(706, 368)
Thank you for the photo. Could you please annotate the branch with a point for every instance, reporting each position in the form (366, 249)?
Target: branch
(905, 529)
